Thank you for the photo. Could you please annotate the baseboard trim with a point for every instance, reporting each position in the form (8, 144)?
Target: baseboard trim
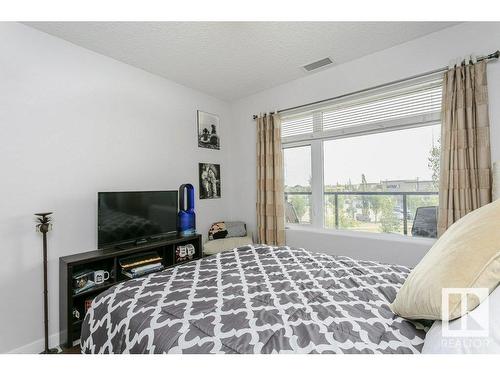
(37, 346)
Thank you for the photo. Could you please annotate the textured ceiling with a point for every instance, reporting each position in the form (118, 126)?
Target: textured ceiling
(231, 60)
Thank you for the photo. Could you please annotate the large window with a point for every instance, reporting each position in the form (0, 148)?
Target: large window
(367, 164)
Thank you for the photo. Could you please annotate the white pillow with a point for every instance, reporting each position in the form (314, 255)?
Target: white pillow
(223, 244)
(435, 343)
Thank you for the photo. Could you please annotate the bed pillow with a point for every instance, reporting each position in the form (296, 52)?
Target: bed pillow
(467, 255)
(468, 342)
(218, 246)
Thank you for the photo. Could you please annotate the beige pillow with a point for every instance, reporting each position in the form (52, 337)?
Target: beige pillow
(467, 255)
(220, 245)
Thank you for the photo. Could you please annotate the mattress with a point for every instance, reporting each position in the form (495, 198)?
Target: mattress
(256, 299)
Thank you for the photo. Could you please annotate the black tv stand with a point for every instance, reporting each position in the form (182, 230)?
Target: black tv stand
(107, 260)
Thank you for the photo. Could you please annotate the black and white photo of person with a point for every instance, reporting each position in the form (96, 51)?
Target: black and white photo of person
(208, 131)
(210, 180)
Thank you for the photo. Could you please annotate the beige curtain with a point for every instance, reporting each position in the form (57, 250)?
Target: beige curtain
(465, 176)
(270, 197)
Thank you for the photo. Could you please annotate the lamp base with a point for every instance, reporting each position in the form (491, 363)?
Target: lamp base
(50, 351)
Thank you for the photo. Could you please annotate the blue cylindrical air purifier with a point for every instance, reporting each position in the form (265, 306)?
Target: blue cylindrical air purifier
(186, 223)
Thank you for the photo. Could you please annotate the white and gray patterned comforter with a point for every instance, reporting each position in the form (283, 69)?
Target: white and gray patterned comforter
(255, 299)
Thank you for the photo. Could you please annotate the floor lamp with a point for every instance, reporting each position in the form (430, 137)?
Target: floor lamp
(43, 226)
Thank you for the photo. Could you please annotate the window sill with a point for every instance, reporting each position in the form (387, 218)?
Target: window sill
(393, 237)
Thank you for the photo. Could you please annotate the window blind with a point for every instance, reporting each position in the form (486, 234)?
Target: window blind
(296, 126)
(407, 106)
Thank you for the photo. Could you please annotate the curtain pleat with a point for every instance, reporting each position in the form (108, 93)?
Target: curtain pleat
(270, 188)
(465, 175)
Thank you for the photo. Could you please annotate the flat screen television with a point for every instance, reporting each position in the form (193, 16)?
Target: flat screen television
(131, 216)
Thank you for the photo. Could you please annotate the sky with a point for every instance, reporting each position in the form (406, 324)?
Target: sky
(396, 155)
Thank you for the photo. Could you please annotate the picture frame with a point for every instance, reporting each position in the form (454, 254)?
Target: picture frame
(208, 130)
(209, 180)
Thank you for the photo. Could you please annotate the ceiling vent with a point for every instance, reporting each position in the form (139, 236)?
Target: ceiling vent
(318, 64)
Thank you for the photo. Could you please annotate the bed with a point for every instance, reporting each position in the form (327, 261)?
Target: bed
(256, 299)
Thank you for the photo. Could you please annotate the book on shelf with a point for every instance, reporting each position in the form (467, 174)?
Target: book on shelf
(89, 285)
(134, 261)
(143, 270)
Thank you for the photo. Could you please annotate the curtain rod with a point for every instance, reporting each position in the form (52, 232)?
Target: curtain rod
(492, 56)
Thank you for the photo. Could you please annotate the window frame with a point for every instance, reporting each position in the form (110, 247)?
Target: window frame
(316, 140)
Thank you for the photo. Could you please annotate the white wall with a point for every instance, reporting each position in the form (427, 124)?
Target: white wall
(73, 123)
(424, 54)
(386, 248)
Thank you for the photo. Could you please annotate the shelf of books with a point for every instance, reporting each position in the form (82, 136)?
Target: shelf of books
(138, 265)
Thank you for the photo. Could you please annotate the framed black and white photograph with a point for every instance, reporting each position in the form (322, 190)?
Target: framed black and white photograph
(208, 131)
(210, 180)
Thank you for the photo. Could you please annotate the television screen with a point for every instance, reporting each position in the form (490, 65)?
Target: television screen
(128, 216)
